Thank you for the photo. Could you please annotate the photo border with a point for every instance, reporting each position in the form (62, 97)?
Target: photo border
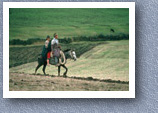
(69, 94)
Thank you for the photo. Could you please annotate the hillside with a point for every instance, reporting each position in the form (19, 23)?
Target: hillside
(105, 61)
(20, 54)
(25, 23)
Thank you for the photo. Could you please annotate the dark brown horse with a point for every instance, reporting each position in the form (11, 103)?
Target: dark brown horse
(69, 54)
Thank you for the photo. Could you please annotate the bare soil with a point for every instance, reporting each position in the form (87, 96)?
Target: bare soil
(30, 82)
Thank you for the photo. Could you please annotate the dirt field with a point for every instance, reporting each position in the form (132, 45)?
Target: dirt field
(28, 82)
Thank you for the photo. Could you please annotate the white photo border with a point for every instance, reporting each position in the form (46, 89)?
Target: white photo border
(69, 94)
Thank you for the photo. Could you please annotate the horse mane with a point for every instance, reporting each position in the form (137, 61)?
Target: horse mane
(66, 50)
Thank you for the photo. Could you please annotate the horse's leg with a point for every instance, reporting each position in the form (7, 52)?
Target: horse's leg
(39, 65)
(58, 70)
(44, 67)
(65, 71)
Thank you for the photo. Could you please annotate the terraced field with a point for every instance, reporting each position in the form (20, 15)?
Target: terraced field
(105, 61)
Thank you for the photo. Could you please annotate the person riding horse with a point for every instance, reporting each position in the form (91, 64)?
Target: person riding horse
(46, 49)
(52, 52)
(55, 48)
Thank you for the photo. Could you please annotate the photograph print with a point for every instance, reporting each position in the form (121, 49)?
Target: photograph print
(69, 49)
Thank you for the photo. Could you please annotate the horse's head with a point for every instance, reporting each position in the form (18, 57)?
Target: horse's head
(71, 54)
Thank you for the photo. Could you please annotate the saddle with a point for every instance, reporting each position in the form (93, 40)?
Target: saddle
(52, 61)
(57, 60)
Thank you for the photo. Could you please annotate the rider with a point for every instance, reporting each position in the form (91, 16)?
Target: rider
(45, 48)
(55, 47)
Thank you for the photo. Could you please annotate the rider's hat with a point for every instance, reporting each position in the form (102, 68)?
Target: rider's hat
(47, 37)
(55, 34)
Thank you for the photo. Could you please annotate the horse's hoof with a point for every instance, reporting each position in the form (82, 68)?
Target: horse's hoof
(64, 76)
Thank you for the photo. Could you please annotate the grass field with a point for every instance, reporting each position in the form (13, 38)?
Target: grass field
(25, 23)
(105, 61)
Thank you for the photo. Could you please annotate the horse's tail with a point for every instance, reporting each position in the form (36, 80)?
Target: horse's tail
(62, 57)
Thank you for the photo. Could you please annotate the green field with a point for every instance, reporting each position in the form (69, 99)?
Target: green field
(25, 23)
